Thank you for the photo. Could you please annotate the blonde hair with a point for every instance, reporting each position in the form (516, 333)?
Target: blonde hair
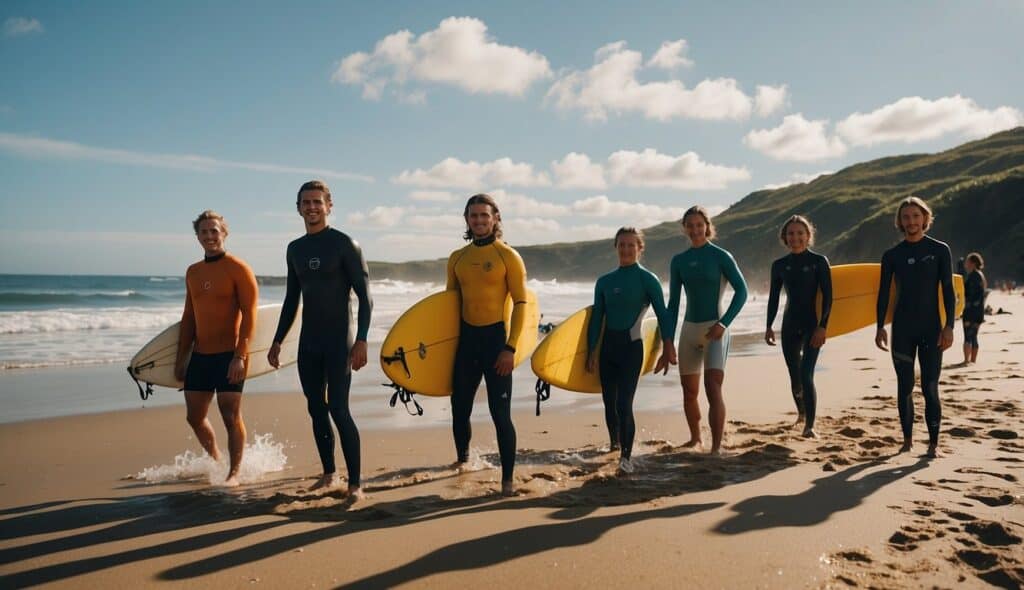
(920, 204)
(210, 214)
(698, 210)
(802, 221)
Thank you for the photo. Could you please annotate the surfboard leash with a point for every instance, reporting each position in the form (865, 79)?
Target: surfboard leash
(144, 394)
(543, 389)
(405, 396)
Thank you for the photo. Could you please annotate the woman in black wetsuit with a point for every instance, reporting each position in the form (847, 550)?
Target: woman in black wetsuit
(803, 273)
(975, 286)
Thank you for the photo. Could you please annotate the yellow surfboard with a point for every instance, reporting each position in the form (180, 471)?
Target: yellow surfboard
(855, 294)
(561, 358)
(418, 353)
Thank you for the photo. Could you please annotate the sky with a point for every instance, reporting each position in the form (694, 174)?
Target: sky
(121, 121)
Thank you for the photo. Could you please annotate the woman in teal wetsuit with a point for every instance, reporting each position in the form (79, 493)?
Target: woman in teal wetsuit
(621, 299)
(702, 271)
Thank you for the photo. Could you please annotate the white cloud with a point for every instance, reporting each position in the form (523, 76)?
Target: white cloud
(434, 196)
(796, 139)
(454, 173)
(611, 85)
(797, 178)
(19, 25)
(577, 171)
(687, 171)
(670, 56)
(770, 99)
(379, 216)
(458, 52)
(42, 148)
(913, 118)
(640, 214)
(517, 205)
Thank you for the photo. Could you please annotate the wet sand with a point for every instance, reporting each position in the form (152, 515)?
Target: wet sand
(98, 501)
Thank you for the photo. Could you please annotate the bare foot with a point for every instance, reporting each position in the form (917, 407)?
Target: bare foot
(933, 452)
(693, 443)
(355, 493)
(626, 466)
(508, 489)
(907, 446)
(231, 481)
(809, 433)
(716, 452)
(327, 481)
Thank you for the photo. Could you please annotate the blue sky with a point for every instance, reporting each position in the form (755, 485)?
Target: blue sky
(120, 121)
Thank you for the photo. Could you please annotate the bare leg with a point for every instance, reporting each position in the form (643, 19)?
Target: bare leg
(967, 354)
(974, 354)
(230, 404)
(713, 379)
(691, 407)
(197, 404)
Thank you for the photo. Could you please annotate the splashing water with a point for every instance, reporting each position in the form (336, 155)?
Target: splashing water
(263, 456)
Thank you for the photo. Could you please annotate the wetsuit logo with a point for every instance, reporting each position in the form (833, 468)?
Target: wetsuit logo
(807, 269)
(911, 261)
(488, 265)
(616, 291)
(314, 264)
(207, 286)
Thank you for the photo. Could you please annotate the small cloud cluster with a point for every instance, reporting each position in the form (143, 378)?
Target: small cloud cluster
(907, 120)
(17, 26)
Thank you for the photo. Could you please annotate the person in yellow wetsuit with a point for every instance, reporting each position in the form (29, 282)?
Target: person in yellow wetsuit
(486, 272)
(217, 324)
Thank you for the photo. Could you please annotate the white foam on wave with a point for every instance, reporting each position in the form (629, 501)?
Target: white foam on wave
(82, 319)
(163, 279)
(263, 456)
(554, 287)
(396, 287)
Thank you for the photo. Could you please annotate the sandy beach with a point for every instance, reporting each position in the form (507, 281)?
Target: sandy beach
(98, 501)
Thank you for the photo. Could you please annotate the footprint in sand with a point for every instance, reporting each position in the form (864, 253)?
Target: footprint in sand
(851, 432)
(992, 534)
(900, 541)
(1002, 434)
(975, 470)
(961, 432)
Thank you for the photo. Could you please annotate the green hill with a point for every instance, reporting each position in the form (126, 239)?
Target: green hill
(976, 191)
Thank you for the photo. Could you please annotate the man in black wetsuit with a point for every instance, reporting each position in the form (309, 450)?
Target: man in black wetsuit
(324, 266)
(919, 264)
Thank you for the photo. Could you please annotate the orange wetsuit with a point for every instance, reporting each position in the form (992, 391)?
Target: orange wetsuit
(220, 307)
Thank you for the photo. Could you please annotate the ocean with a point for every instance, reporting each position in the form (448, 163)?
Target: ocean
(65, 340)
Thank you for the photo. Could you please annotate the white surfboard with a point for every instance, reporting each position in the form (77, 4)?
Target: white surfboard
(154, 363)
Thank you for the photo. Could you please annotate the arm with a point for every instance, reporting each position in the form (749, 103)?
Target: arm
(247, 292)
(515, 278)
(773, 302)
(657, 298)
(825, 283)
(359, 276)
(881, 338)
(948, 296)
(594, 327)
(674, 287)
(453, 279)
(735, 277)
(288, 311)
(186, 334)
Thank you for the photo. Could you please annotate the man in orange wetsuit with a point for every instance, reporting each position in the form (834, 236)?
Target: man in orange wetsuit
(217, 325)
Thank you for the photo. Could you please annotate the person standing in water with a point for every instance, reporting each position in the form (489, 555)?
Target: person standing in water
(702, 270)
(975, 286)
(920, 266)
(621, 299)
(485, 273)
(325, 267)
(804, 273)
(217, 324)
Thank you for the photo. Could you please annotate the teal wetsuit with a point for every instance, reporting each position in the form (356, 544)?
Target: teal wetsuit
(621, 299)
(702, 272)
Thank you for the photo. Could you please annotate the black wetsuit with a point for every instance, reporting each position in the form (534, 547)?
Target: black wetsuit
(325, 267)
(919, 268)
(803, 275)
(974, 306)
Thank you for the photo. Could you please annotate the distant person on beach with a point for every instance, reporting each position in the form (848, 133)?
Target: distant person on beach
(485, 272)
(920, 265)
(704, 338)
(217, 325)
(975, 287)
(804, 273)
(325, 267)
(621, 299)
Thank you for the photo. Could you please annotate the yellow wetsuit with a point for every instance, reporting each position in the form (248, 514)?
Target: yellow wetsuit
(486, 272)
